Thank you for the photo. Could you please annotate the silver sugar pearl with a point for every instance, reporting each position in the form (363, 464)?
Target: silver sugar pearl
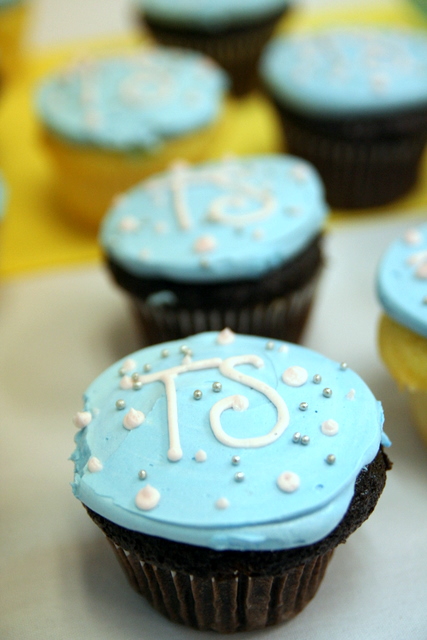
(217, 387)
(296, 437)
(147, 367)
(197, 394)
(239, 476)
(120, 404)
(185, 350)
(317, 378)
(305, 440)
(330, 459)
(235, 460)
(270, 345)
(327, 392)
(303, 406)
(135, 377)
(142, 475)
(122, 371)
(164, 353)
(343, 366)
(137, 385)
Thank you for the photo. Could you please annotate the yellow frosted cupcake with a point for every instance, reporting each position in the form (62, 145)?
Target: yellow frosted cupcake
(402, 290)
(109, 122)
(12, 21)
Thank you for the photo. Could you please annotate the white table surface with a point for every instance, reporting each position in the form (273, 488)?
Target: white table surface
(59, 329)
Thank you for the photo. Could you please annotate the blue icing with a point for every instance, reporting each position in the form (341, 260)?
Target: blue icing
(136, 101)
(209, 15)
(348, 70)
(259, 514)
(236, 218)
(402, 280)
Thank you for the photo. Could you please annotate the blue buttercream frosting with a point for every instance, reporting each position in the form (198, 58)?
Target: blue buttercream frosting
(402, 280)
(196, 465)
(235, 218)
(348, 70)
(133, 101)
(209, 14)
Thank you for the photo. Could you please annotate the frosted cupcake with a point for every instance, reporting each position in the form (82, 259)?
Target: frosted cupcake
(235, 243)
(402, 291)
(225, 470)
(233, 32)
(13, 15)
(109, 122)
(353, 101)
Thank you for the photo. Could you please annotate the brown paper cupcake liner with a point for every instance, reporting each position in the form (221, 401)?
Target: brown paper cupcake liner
(365, 162)
(282, 318)
(237, 50)
(226, 605)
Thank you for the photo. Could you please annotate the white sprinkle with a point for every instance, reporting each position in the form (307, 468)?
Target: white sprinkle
(94, 465)
(222, 503)
(201, 456)
(300, 173)
(351, 394)
(147, 498)
(82, 419)
(295, 376)
(329, 427)
(258, 234)
(288, 481)
(421, 271)
(128, 365)
(128, 224)
(205, 243)
(126, 382)
(226, 336)
(413, 236)
(133, 419)
(284, 349)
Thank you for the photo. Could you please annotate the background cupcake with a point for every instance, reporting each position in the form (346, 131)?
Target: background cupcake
(109, 122)
(233, 243)
(353, 101)
(218, 527)
(233, 32)
(402, 291)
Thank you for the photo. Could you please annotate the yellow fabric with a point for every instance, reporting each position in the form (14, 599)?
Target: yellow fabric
(404, 353)
(12, 25)
(35, 235)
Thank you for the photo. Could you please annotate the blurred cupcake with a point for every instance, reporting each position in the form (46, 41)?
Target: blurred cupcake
(234, 243)
(109, 122)
(227, 519)
(402, 291)
(13, 15)
(233, 32)
(353, 101)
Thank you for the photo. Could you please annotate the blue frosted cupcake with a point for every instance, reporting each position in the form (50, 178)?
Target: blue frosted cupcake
(109, 122)
(232, 32)
(353, 101)
(235, 243)
(224, 471)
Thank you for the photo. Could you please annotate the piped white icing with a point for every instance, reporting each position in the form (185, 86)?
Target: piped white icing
(133, 419)
(147, 498)
(94, 465)
(82, 419)
(288, 481)
(295, 376)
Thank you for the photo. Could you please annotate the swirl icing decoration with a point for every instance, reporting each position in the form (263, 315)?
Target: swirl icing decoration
(401, 280)
(228, 219)
(226, 441)
(133, 101)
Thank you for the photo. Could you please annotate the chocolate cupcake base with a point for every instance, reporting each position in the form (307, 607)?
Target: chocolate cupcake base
(230, 591)
(363, 162)
(276, 305)
(235, 49)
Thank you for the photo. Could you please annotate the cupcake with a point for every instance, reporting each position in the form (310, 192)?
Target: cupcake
(233, 32)
(228, 523)
(402, 335)
(12, 22)
(353, 101)
(109, 122)
(235, 242)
